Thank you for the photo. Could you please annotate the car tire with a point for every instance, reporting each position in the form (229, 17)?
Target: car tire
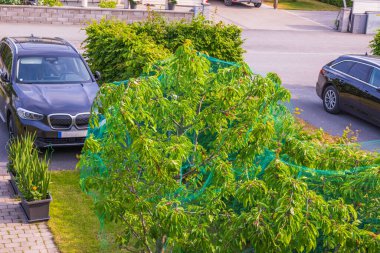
(227, 2)
(331, 100)
(257, 5)
(12, 130)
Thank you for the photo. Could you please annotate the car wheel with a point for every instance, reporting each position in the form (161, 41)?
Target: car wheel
(331, 100)
(228, 2)
(257, 5)
(12, 131)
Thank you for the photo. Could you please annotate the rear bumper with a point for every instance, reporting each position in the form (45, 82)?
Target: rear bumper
(319, 89)
(320, 85)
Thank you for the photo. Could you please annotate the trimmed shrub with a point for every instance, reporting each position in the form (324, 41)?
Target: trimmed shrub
(216, 39)
(11, 2)
(121, 51)
(51, 3)
(375, 44)
(338, 3)
(107, 4)
(114, 48)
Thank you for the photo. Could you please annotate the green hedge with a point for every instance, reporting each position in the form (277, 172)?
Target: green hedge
(338, 3)
(116, 50)
(375, 44)
(11, 2)
(121, 51)
(216, 39)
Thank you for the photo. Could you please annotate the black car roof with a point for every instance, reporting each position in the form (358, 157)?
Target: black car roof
(371, 59)
(40, 45)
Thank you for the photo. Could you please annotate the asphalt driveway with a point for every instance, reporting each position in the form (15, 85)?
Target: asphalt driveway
(294, 44)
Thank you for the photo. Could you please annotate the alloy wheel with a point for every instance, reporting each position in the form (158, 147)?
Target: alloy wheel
(330, 100)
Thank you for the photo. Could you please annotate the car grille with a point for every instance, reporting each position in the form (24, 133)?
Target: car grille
(81, 120)
(60, 121)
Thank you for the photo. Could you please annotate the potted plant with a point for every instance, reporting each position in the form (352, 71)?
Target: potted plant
(133, 4)
(32, 179)
(16, 148)
(172, 4)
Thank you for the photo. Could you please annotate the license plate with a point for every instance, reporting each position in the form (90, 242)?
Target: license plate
(72, 134)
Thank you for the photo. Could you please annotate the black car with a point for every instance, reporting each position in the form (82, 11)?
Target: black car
(46, 88)
(351, 83)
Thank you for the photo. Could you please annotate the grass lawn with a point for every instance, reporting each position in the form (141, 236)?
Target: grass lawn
(305, 5)
(73, 221)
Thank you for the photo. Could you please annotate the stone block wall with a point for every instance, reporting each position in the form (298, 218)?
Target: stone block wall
(77, 15)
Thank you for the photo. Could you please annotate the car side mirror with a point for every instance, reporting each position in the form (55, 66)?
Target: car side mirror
(4, 77)
(97, 75)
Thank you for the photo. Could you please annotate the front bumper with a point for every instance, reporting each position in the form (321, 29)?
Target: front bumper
(247, 1)
(47, 137)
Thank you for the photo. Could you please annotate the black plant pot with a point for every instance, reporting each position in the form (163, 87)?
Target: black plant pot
(171, 6)
(133, 5)
(14, 185)
(37, 210)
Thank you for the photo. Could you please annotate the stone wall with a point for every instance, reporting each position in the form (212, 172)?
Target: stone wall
(77, 15)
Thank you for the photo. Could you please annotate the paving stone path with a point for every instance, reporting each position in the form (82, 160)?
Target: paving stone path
(16, 234)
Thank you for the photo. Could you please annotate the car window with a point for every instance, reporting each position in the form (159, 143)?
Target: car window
(52, 69)
(344, 66)
(7, 58)
(1, 62)
(360, 71)
(375, 78)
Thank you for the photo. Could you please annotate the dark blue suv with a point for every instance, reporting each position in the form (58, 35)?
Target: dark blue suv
(47, 88)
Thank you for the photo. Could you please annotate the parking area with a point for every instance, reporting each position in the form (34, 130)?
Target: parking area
(294, 44)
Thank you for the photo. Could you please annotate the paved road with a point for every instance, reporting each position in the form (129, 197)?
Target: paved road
(295, 44)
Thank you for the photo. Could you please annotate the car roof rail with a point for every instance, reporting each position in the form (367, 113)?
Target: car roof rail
(66, 43)
(33, 38)
(13, 43)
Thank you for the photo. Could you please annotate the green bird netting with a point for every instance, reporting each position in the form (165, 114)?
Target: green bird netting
(320, 176)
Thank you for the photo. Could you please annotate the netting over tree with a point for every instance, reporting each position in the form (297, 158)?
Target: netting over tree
(202, 155)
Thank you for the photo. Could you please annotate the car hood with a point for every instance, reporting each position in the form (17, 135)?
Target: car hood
(56, 98)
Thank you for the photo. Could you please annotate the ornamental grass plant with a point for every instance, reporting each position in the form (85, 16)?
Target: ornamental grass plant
(29, 169)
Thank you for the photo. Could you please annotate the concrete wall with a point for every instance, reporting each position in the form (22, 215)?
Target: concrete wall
(361, 6)
(77, 16)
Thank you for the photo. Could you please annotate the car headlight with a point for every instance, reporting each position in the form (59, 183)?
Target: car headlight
(25, 114)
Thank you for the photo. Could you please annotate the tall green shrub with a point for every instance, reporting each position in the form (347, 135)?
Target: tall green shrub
(375, 44)
(216, 39)
(116, 50)
(121, 51)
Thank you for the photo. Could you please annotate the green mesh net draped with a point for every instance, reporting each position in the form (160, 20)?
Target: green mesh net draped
(318, 178)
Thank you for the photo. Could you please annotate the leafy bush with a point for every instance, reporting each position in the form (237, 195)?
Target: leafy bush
(116, 50)
(375, 44)
(107, 4)
(30, 171)
(11, 2)
(192, 160)
(338, 3)
(51, 3)
(122, 50)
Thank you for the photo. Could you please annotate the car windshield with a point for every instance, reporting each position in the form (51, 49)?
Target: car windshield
(51, 69)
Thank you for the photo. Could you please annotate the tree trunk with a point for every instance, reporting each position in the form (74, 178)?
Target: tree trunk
(160, 244)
